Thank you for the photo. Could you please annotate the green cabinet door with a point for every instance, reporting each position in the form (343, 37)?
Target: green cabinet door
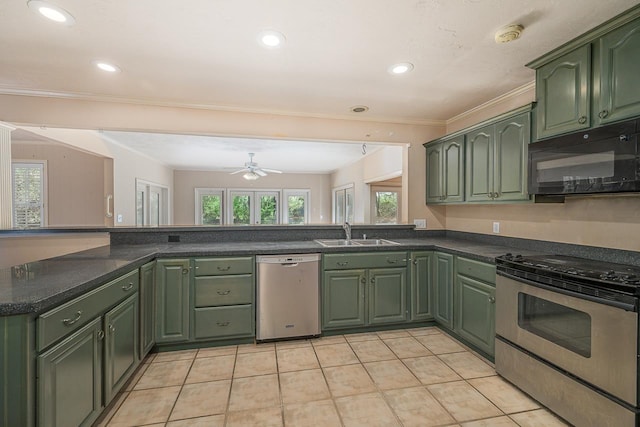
(563, 91)
(445, 171)
(443, 289)
(479, 164)
(147, 308)
(453, 169)
(121, 345)
(172, 300)
(343, 298)
(619, 66)
(475, 313)
(434, 173)
(70, 379)
(387, 295)
(420, 280)
(512, 137)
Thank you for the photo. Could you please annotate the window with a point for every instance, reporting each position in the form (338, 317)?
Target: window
(29, 195)
(254, 207)
(152, 203)
(209, 206)
(385, 205)
(343, 204)
(296, 207)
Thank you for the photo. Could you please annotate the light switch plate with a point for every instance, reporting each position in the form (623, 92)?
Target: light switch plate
(119, 218)
(496, 227)
(420, 223)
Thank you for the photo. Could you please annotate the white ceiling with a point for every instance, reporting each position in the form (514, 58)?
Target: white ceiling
(205, 54)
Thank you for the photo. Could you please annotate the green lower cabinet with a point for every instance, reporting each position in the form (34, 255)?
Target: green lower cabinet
(147, 308)
(121, 345)
(343, 298)
(70, 379)
(387, 295)
(172, 300)
(421, 284)
(475, 312)
(443, 278)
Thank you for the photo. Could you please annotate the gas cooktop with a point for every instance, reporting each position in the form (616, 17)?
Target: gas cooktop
(598, 274)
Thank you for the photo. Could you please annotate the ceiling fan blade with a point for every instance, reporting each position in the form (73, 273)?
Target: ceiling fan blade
(260, 172)
(271, 170)
(239, 171)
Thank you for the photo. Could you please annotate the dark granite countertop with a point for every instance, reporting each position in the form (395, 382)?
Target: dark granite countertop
(38, 286)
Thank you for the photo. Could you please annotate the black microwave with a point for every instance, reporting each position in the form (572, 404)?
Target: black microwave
(603, 160)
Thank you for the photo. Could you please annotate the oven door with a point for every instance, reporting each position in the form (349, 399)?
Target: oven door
(593, 341)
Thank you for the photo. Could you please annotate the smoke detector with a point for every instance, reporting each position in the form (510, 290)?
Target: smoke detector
(509, 33)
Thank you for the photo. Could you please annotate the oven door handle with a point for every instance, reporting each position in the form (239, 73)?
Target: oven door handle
(617, 304)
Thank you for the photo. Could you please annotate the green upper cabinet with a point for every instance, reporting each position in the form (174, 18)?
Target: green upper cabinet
(591, 80)
(496, 160)
(619, 66)
(563, 93)
(172, 300)
(445, 171)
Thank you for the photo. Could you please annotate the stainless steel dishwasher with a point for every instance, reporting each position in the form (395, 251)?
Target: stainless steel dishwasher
(288, 300)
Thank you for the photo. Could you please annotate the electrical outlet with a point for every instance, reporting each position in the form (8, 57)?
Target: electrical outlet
(420, 223)
(119, 218)
(496, 227)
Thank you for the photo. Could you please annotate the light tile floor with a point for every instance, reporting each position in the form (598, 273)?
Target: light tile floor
(414, 377)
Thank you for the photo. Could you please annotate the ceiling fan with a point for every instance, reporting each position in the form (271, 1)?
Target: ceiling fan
(252, 171)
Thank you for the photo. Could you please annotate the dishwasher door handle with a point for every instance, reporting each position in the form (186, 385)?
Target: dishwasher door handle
(289, 264)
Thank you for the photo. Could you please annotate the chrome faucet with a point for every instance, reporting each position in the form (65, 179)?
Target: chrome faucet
(347, 230)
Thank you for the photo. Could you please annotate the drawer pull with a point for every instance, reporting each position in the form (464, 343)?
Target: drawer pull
(127, 287)
(392, 261)
(227, 292)
(342, 263)
(223, 323)
(227, 268)
(69, 322)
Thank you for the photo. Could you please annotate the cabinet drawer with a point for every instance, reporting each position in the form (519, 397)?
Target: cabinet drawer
(476, 269)
(223, 266)
(67, 318)
(223, 290)
(349, 261)
(217, 322)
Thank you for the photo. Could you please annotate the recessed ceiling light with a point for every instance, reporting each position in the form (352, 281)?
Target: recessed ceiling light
(401, 68)
(359, 108)
(105, 66)
(271, 39)
(52, 12)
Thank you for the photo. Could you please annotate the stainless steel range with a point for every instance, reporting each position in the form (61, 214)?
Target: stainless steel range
(567, 334)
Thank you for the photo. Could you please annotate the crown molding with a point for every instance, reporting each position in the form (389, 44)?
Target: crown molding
(7, 126)
(222, 108)
(502, 98)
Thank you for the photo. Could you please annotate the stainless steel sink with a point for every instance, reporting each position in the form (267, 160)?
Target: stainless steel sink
(334, 243)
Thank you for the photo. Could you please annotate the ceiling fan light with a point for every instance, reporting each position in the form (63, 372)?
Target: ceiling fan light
(251, 176)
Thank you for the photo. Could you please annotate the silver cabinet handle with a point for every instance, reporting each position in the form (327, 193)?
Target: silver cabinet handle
(185, 271)
(582, 120)
(227, 268)
(109, 212)
(373, 280)
(492, 300)
(223, 324)
(604, 113)
(363, 280)
(100, 335)
(112, 329)
(226, 292)
(127, 287)
(69, 322)
(415, 262)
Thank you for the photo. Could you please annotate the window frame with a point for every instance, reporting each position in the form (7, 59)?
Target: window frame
(164, 203)
(305, 193)
(201, 191)
(44, 191)
(347, 188)
(385, 189)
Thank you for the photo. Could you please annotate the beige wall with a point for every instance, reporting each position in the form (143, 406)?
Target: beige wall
(185, 183)
(23, 249)
(75, 182)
